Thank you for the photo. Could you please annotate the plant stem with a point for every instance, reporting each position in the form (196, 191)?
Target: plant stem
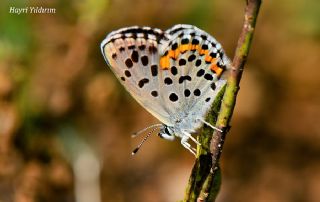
(205, 179)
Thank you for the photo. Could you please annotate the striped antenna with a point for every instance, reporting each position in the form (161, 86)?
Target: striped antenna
(155, 127)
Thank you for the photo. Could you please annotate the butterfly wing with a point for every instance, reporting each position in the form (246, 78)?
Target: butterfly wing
(132, 53)
(169, 73)
(194, 61)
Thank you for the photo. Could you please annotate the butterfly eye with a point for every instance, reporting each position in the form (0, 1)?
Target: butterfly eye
(166, 136)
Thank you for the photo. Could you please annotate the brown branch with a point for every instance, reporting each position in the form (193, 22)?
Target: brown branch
(204, 181)
(239, 60)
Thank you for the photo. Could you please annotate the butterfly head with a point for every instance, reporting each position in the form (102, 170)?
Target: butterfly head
(166, 132)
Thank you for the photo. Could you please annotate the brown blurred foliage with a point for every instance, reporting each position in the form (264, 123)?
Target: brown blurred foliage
(64, 117)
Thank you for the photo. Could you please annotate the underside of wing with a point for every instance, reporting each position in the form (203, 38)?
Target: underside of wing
(169, 73)
(194, 61)
(132, 54)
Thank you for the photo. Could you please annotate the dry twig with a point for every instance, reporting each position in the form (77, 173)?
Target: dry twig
(204, 182)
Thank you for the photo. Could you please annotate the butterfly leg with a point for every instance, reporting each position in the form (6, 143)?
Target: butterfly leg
(185, 144)
(192, 138)
(211, 126)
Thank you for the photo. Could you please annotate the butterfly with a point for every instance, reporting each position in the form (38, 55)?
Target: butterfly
(174, 74)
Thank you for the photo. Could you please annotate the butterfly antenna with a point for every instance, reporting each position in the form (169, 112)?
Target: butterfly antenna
(147, 128)
(144, 139)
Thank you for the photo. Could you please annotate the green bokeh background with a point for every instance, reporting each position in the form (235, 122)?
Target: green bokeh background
(65, 121)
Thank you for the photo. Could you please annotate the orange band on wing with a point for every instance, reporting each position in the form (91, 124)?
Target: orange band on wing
(195, 47)
(174, 54)
(170, 54)
(208, 58)
(164, 62)
(185, 47)
(203, 52)
(216, 69)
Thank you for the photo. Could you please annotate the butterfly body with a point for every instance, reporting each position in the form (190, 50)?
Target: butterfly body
(175, 74)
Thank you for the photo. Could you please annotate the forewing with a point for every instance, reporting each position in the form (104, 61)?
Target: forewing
(132, 53)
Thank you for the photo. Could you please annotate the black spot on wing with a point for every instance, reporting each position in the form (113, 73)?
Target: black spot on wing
(213, 55)
(142, 47)
(134, 35)
(174, 70)
(184, 78)
(154, 93)
(127, 73)
(174, 46)
(152, 49)
(213, 86)
(205, 47)
(129, 63)
(135, 56)
(195, 41)
(168, 81)
(154, 70)
(200, 73)
(182, 62)
(187, 92)
(198, 62)
(197, 92)
(213, 44)
(142, 82)
(208, 77)
(114, 56)
(184, 41)
(173, 97)
(191, 58)
(121, 49)
(204, 37)
(145, 60)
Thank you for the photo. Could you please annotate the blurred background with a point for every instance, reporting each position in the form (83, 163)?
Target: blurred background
(65, 121)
